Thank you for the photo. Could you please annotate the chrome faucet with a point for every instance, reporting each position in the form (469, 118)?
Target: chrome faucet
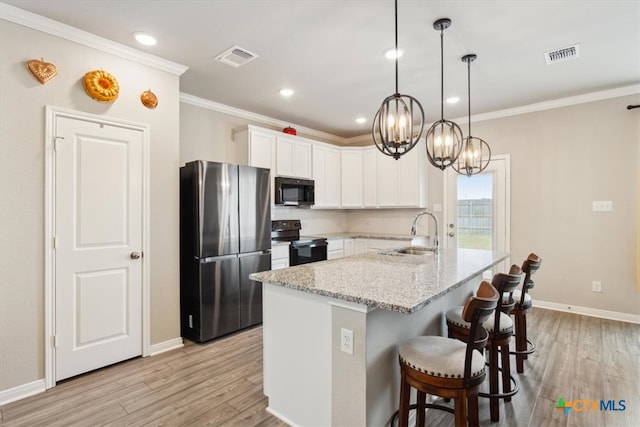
(435, 235)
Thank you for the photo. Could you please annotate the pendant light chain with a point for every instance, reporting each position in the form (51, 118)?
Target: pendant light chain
(441, 73)
(396, 53)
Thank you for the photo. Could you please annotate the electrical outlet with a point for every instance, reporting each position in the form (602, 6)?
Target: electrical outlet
(596, 286)
(346, 340)
(602, 206)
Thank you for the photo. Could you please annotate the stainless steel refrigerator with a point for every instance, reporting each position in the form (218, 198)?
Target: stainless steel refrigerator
(225, 235)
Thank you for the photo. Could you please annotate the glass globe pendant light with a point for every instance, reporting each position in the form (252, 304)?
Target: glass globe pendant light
(394, 123)
(444, 137)
(476, 153)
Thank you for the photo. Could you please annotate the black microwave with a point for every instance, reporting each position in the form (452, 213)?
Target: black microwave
(294, 191)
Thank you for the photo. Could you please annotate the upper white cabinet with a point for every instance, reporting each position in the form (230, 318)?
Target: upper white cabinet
(345, 177)
(326, 174)
(403, 182)
(256, 147)
(370, 176)
(352, 178)
(293, 157)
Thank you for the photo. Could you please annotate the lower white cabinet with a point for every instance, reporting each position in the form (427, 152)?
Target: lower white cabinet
(279, 257)
(360, 246)
(335, 248)
(349, 247)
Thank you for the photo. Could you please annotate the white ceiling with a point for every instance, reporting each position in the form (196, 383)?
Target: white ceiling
(331, 52)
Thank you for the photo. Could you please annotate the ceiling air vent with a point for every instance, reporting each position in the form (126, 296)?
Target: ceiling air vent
(563, 54)
(236, 56)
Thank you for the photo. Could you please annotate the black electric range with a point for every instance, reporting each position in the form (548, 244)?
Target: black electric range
(302, 249)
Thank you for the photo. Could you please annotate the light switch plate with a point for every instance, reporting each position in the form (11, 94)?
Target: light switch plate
(602, 205)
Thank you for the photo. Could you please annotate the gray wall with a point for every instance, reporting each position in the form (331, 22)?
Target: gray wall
(22, 108)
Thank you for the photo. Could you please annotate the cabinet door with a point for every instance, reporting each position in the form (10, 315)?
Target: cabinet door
(302, 159)
(326, 174)
(370, 177)
(277, 264)
(387, 180)
(352, 188)
(408, 178)
(261, 148)
(349, 247)
(284, 156)
(361, 246)
(333, 174)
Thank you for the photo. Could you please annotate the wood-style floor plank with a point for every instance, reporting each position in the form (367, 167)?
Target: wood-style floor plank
(220, 383)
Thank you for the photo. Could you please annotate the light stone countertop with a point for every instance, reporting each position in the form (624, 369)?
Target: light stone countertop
(386, 280)
(365, 235)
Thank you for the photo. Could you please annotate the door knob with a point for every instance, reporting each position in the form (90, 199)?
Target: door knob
(135, 255)
(451, 234)
(451, 225)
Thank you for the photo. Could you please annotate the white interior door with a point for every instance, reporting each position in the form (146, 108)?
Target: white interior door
(477, 208)
(98, 244)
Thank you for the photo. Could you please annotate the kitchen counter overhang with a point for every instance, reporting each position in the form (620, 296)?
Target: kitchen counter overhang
(386, 280)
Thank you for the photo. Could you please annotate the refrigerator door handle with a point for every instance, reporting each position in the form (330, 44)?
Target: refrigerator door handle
(266, 251)
(215, 258)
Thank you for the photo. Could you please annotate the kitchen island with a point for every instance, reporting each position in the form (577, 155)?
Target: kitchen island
(314, 373)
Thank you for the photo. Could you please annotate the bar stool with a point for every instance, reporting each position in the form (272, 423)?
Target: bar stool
(446, 367)
(523, 303)
(500, 328)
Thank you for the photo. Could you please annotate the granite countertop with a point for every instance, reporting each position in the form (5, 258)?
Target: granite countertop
(365, 235)
(386, 280)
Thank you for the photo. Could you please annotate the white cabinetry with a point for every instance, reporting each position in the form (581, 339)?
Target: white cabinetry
(352, 178)
(370, 176)
(257, 147)
(326, 174)
(360, 246)
(403, 182)
(335, 248)
(279, 257)
(349, 247)
(293, 157)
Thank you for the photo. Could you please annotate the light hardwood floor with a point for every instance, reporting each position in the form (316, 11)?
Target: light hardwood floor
(220, 383)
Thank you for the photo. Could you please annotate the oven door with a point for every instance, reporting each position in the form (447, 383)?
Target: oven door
(306, 252)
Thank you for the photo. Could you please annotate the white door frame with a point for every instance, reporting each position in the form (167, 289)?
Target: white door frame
(507, 219)
(52, 113)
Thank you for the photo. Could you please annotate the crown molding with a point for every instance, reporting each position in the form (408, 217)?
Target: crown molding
(55, 28)
(259, 118)
(555, 103)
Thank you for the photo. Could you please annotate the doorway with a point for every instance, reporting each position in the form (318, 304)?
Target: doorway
(96, 300)
(477, 208)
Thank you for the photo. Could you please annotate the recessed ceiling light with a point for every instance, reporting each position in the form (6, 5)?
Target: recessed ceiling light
(391, 53)
(145, 39)
(361, 120)
(286, 92)
(453, 99)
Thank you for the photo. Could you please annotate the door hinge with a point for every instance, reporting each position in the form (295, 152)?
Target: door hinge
(56, 139)
(55, 243)
(54, 341)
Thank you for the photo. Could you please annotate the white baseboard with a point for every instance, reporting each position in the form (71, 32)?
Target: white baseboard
(166, 346)
(22, 391)
(281, 417)
(587, 311)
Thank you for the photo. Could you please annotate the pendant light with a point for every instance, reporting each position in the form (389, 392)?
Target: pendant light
(397, 117)
(476, 153)
(444, 137)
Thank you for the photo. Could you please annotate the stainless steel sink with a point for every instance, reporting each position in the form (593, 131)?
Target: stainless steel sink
(414, 250)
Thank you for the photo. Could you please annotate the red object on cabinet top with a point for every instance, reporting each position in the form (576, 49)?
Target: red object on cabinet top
(290, 130)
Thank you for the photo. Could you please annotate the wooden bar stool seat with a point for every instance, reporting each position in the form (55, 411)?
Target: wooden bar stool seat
(523, 303)
(500, 328)
(446, 367)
